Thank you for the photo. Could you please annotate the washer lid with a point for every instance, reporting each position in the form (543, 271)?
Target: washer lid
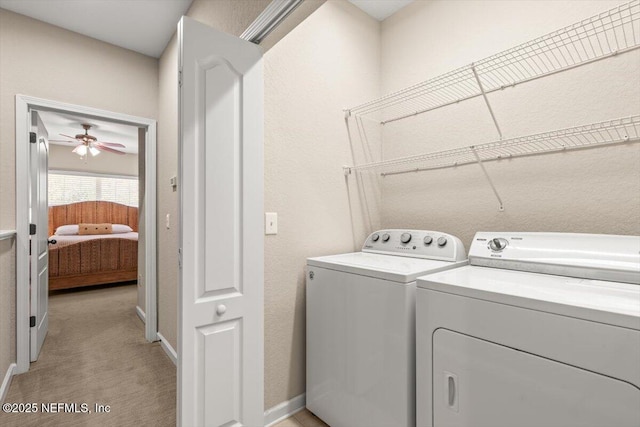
(599, 301)
(388, 267)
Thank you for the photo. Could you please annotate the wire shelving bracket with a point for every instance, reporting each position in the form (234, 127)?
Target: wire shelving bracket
(607, 34)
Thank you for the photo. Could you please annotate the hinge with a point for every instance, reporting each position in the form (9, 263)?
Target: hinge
(180, 78)
(33, 138)
(32, 321)
(32, 229)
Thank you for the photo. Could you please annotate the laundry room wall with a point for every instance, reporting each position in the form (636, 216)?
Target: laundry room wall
(39, 59)
(588, 191)
(330, 61)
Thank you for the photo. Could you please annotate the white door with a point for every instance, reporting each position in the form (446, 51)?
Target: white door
(39, 259)
(220, 348)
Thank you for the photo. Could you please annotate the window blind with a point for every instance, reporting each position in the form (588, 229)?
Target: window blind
(67, 188)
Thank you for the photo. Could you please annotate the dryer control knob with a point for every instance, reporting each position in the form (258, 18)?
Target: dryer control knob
(442, 241)
(498, 244)
(405, 238)
(375, 237)
(385, 237)
(428, 240)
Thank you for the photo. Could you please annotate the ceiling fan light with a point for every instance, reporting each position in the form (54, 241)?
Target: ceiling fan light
(94, 151)
(80, 150)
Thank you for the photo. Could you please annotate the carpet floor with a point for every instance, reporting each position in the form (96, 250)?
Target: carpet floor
(96, 353)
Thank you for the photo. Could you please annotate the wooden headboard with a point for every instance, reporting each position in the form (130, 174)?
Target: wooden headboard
(92, 213)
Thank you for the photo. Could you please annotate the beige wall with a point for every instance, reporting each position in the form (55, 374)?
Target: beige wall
(329, 62)
(38, 59)
(167, 198)
(592, 191)
(61, 158)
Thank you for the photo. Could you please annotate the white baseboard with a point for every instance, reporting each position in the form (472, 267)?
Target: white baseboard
(284, 410)
(6, 382)
(168, 349)
(140, 314)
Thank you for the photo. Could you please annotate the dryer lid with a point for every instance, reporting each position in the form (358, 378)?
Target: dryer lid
(595, 300)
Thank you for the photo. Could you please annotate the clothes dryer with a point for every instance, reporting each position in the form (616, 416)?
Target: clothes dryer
(541, 329)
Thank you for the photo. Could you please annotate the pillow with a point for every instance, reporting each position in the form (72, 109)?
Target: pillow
(94, 229)
(121, 228)
(67, 230)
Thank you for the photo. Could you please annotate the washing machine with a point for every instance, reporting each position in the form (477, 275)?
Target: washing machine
(361, 326)
(540, 329)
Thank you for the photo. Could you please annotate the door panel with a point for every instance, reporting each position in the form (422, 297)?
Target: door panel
(39, 276)
(481, 384)
(222, 167)
(220, 348)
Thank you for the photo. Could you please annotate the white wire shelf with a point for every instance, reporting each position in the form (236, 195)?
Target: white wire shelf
(596, 134)
(606, 34)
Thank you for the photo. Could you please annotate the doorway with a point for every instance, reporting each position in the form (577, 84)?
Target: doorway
(25, 105)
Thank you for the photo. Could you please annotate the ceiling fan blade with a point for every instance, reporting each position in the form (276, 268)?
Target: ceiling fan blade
(63, 140)
(67, 136)
(112, 144)
(101, 147)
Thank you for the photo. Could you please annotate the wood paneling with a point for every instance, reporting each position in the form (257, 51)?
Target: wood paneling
(92, 212)
(93, 262)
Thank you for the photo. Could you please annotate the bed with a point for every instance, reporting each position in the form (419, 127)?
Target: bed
(87, 260)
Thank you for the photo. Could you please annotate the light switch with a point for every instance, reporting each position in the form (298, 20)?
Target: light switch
(270, 223)
(168, 221)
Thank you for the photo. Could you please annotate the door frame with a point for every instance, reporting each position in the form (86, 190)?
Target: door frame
(24, 104)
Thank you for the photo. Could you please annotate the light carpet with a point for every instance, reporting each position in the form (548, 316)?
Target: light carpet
(95, 352)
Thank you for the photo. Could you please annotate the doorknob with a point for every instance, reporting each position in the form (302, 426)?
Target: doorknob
(221, 309)
(52, 241)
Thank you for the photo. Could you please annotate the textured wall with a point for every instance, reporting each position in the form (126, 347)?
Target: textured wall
(167, 198)
(61, 158)
(39, 59)
(592, 191)
(329, 62)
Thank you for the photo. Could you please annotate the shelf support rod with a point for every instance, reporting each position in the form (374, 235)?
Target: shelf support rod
(486, 175)
(486, 100)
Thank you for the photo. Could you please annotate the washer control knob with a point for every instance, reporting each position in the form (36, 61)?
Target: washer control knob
(428, 240)
(442, 241)
(385, 237)
(375, 237)
(498, 244)
(405, 238)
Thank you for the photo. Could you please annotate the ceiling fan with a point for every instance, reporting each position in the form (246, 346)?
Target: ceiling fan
(90, 144)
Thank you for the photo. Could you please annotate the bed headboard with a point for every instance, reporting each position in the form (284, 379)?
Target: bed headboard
(93, 213)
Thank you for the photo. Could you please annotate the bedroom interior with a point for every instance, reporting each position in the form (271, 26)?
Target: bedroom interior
(93, 179)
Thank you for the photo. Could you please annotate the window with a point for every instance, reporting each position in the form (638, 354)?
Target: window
(67, 187)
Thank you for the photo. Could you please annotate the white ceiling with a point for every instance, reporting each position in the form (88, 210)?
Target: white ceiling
(71, 124)
(381, 9)
(144, 26)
